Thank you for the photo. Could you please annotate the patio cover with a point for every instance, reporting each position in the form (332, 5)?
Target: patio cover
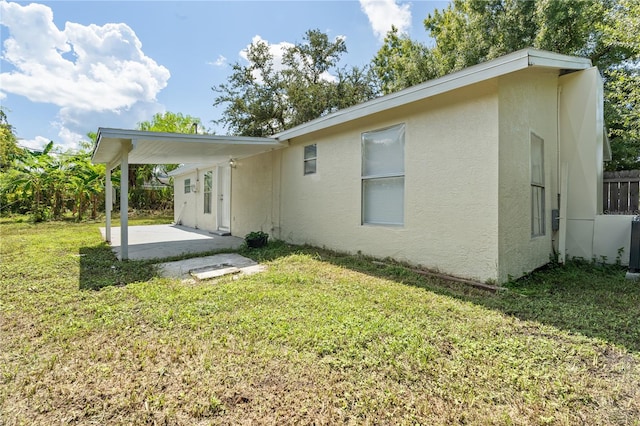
(119, 147)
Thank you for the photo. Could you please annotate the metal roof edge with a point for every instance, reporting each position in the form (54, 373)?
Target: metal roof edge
(514, 61)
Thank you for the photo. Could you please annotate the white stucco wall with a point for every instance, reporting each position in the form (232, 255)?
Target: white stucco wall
(612, 233)
(188, 209)
(581, 146)
(528, 104)
(255, 200)
(451, 186)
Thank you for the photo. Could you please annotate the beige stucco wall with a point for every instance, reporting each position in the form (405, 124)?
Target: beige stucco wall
(528, 103)
(451, 186)
(255, 187)
(188, 209)
(581, 146)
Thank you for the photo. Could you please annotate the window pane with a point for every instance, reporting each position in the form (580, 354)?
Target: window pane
(187, 186)
(383, 201)
(208, 184)
(383, 152)
(537, 160)
(309, 167)
(537, 211)
(310, 151)
(208, 181)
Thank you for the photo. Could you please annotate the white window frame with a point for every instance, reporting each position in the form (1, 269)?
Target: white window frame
(538, 191)
(383, 182)
(187, 185)
(310, 158)
(207, 192)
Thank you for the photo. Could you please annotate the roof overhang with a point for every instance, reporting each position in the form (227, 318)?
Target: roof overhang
(513, 62)
(175, 148)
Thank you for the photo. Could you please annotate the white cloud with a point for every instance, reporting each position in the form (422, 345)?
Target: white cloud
(36, 143)
(221, 61)
(383, 14)
(81, 69)
(68, 138)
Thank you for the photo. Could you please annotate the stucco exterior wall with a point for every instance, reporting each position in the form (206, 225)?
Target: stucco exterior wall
(528, 104)
(612, 233)
(188, 209)
(581, 146)
(255, 187)
(451, 186)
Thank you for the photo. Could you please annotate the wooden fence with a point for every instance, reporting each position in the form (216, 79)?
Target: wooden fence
(620, 192)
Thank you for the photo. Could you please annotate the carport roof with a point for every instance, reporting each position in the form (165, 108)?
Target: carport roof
(174, 148)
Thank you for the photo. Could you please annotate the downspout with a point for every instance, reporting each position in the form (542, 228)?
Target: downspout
(555, 237)
(558, 162)
(195, 203)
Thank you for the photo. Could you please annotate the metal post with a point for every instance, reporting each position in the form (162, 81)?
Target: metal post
(108, 204)
(124, 206)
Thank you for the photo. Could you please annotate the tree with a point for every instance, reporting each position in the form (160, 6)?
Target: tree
(261, 99)
(33, 179)
(402, 62)
(9, 149)
(141, 176)
(468, 32)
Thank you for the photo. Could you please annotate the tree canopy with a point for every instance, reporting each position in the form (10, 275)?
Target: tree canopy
(263, 97)
(9, 149)
(469, 32)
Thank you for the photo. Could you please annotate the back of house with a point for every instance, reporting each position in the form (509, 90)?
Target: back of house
(482, 174)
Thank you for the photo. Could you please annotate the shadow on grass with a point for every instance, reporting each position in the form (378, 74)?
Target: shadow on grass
(580, 297)
(99, 267)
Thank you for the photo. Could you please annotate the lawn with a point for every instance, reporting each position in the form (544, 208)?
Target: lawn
(320, 338)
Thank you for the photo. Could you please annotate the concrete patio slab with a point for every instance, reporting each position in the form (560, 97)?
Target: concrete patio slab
(208, 267)
(163, 241)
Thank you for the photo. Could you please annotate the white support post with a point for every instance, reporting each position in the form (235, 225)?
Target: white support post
(108, 204)
(124, 205)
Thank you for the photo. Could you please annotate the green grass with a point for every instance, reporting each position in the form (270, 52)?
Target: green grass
(320, 338)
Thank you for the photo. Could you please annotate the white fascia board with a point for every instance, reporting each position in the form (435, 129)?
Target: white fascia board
(512, 62)
(541, 58)
(191, 137)
(109, 142)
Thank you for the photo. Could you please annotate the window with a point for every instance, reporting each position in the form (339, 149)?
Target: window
(537, 186)
(383, 176)
(187, 186)
(208, 185)
(310, 158)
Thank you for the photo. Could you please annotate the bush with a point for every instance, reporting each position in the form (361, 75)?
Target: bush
(256, 239)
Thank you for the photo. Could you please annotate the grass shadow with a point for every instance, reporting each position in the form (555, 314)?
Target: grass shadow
(581, 297)
(99, 268)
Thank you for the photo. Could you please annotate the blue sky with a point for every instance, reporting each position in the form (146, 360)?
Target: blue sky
(69, 67)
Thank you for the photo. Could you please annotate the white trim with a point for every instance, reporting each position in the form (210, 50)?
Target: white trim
(170, 148)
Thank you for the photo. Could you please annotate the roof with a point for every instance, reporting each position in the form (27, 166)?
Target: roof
(512, 62)
(173, 148)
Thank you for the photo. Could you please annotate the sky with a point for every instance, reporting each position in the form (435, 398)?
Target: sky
(70, 67)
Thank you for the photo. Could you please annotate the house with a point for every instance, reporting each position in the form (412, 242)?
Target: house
(485, 173)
